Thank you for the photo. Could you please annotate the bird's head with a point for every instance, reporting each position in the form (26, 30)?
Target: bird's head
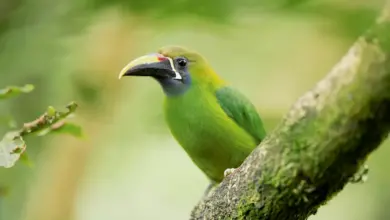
(175, 68)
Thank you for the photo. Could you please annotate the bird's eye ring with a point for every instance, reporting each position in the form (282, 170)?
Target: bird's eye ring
(181, 61)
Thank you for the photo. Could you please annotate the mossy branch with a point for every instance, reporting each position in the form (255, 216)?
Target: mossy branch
(319, 145)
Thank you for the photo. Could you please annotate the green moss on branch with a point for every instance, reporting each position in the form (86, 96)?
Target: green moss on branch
(319, 145)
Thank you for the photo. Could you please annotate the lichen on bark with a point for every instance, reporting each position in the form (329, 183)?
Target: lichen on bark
(319, 145)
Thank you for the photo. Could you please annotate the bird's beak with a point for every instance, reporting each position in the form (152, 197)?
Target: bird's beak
(155, 65)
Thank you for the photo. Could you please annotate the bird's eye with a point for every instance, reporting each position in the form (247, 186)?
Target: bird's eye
(181, 61)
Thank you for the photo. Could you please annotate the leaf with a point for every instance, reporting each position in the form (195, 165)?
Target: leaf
(51, 111)
(11, 147)
(12, 91)
(68, 128)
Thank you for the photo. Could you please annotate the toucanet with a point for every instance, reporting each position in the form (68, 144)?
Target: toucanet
(214, 123)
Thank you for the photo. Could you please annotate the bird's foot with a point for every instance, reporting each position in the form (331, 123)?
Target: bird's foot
(228, 171)
(361, 175)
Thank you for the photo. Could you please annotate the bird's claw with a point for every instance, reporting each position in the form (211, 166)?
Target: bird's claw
(228, 171)
(361, 175)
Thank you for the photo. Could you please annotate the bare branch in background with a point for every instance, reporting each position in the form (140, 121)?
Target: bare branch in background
(51, 119)
(12, 146)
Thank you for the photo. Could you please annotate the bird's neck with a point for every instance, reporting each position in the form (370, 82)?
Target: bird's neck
(173, 88)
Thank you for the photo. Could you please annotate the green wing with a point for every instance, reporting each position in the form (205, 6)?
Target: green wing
(242, 111)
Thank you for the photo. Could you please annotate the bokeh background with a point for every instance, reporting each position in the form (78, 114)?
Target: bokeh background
(128, 166)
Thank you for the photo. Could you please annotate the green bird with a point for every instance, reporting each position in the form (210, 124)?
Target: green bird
(215, 124)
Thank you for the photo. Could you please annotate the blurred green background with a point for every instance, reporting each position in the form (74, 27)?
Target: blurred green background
(128, 166)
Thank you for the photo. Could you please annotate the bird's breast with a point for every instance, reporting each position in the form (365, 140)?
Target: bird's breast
(212, 140)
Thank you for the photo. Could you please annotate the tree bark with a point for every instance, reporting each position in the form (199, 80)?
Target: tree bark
(319, 145)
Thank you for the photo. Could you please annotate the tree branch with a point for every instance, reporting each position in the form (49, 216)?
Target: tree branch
(319, 145)
(51, 119)
(12, 145)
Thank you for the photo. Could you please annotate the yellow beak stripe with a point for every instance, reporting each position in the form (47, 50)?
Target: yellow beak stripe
(147, 59)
